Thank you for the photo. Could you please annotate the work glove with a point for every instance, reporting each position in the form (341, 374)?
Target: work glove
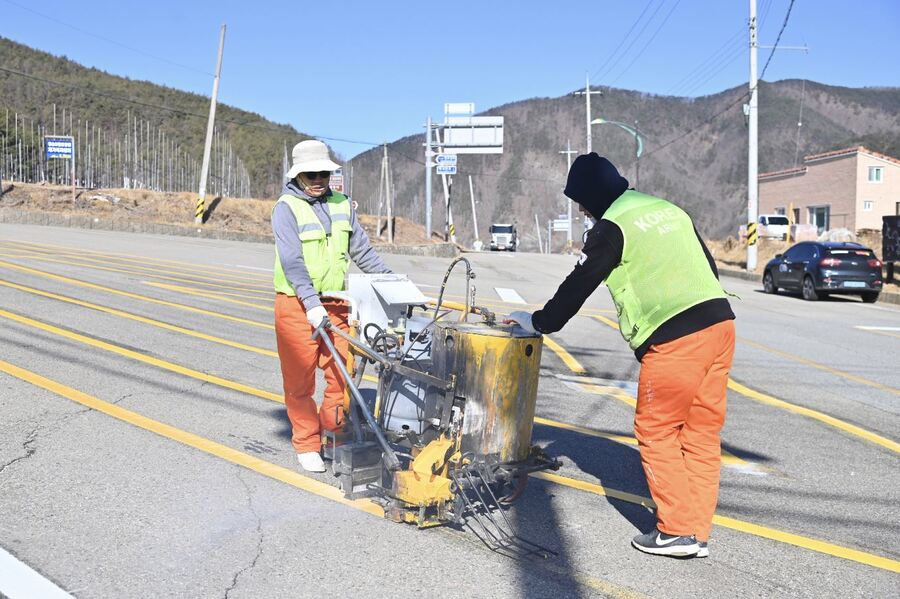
(316, 315)
(523, 319)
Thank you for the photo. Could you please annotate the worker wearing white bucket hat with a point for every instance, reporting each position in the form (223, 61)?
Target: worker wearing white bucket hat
(316, 235)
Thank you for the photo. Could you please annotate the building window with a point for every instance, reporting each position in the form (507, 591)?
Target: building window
(819, 216)
(780, 210)
(868, 205)
(876, 174)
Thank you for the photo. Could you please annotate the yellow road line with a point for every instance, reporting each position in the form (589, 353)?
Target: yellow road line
(183, 268)
(259, 350)
(585, 431)
(614, 392)
(887, 333)
(728, 458)
(565, 356)
(137, 318)
(208, 293)
(42, 258)
(829, 420)
(239, 458)
(195, 374)
(144, 298)
(212, 295)
(822, 367)
(815, 415)
(234, 456)
(816, 545)
(608, 322)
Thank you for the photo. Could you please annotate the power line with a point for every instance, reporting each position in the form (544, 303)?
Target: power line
(706, 64)
(625, 37)
(727, 61)
(745, 95)
(777, 39)
(650, 41)
(633, 41)
(100, 37)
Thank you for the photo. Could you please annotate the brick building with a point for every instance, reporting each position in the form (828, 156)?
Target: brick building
(850, 189)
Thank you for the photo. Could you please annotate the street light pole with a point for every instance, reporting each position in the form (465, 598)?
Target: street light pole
(568, 152)
(587, 106)
(428, 156)
(633, 131)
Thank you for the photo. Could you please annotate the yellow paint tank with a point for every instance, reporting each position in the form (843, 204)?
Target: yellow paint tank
(497, 370)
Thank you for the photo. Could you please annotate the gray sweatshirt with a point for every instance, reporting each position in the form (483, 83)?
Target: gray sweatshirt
(290, 250)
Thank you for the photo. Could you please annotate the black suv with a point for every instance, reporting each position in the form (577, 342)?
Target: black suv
(818, 268)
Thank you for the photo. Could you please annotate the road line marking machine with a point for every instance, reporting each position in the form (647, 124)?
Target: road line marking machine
(446, 438)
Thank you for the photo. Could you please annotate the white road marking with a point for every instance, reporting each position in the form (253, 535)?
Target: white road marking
(21, 582)
(878, 328)
(248, 267)
(509, 295)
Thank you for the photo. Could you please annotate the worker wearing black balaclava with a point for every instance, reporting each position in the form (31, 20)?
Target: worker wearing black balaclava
(675, 316)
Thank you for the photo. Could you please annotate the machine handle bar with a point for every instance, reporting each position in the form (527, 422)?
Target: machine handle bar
(392, 462)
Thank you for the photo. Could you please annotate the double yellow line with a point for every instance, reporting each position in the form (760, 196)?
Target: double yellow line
(800, 410)
(326, 490)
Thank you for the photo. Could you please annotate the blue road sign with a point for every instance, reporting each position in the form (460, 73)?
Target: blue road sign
(59, 146)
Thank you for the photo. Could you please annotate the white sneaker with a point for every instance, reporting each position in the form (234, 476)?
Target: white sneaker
(311, 461)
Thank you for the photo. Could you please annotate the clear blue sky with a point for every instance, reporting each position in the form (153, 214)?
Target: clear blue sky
(373, 71)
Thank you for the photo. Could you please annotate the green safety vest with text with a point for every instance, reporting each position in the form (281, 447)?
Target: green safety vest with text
(664, 270)
(325, 256)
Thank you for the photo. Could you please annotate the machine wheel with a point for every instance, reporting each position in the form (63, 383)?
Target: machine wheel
(516, 488)
(769, 283)
(809, 289)
(871, 297)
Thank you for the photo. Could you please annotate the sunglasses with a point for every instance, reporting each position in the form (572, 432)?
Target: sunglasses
(317, 175)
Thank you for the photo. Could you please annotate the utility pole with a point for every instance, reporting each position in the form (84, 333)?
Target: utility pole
(637, 165)
(753, 156)
(428, 156)
(477, 243)
(587, 105)
(204, 170)
(568, 152)
(389, 194)
(537, 227)
(382, 187)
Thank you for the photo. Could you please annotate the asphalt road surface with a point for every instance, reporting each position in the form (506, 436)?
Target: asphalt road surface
(144, 450)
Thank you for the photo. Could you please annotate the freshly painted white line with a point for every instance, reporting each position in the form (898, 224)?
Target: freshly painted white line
(878, 328)
(21, 582)
(248, 267)
(509, 295)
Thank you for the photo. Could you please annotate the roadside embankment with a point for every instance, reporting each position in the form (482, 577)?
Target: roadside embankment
(143, 211)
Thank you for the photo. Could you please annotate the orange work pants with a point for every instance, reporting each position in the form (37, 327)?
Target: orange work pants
(300, 355)
(680, 412)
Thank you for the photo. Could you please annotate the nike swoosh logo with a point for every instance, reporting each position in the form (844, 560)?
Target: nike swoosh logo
(659, 540)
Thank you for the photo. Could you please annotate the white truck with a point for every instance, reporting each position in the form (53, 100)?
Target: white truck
(773, 225)
(503, 237)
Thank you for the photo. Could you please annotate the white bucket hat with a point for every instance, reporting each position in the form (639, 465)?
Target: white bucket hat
(310, 156)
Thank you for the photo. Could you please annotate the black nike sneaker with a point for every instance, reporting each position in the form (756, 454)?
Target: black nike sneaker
(659, 543)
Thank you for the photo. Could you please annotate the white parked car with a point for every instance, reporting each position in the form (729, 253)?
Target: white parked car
(773, 225)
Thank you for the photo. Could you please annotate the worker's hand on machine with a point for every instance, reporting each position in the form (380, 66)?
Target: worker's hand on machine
(523, 319)
(316, 316)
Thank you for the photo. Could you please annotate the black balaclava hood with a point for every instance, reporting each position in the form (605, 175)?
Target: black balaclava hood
(594, 183)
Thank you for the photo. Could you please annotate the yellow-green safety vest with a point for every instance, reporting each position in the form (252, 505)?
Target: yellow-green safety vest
(325, 256)
(664, 270)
